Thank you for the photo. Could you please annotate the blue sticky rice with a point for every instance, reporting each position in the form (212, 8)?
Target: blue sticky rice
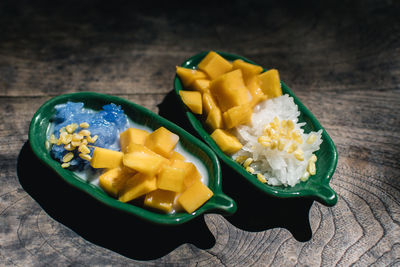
(107, 124)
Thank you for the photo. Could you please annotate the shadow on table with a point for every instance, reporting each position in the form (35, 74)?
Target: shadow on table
(255, 210)
(99, 224)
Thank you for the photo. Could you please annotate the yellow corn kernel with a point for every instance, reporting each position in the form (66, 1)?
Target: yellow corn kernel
(263, 139)
(247, 162)
(47, 145)
(311, 167)
(84, 149)
(65, 165)
(77, 137)
(250, 169)
(53, 139)
(240, 159)
(281, 132)
(305, 176)
(69, 147)
(270, 131)
(311, 139)
(62, 130)
(85, 156)
(299, 155)
(84, 141)
(84, 132)
(313, 158)
(290, 124)
(75, 143)
(296, 135)
(92, 139)
(292, 148)
(65, 138)
(67, 157)
(84, 125)
(283, 123)
(71, 127)
(261, 178)
(58, 142)
(281, 144)
(274, 144)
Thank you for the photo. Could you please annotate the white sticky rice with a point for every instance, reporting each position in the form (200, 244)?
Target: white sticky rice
(278, 167)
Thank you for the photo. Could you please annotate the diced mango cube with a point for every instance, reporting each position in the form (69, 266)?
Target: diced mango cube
(270, 83)
(214, 65)
(188, 76)
(160, 199)
(113, 180)
(257, 95)
(229, 90)
(132, 135)
(106, 158)
(171, 178)
(209, 103)
(226, 141)
(202, 85)
(176, 156)
(248, 70)
(192, 100)
(195, 196)
(143, 160)
(214, 119)
(136, 186)
(162, 141)
(237, 115)
(191, 172)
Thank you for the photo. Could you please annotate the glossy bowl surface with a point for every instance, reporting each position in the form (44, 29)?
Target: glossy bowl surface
(317, 187)
(219, 203)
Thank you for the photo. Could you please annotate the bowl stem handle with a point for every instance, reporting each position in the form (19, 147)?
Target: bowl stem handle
(224, 205)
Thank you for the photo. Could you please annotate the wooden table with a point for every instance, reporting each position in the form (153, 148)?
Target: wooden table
(341, 59)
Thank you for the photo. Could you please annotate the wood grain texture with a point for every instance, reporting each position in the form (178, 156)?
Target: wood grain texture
(341, 59)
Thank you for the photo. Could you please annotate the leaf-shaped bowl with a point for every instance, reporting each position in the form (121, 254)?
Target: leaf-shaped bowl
(317, 187)
(40, 124)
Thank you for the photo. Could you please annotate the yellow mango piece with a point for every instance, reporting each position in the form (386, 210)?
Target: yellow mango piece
(226, 141)
(248, 70)
(192, 100)
(270, 83)
(188, 76)
(176, 156)
(209, 103)
(106, 158)
(143, 160)
(162, 141)
(237, 115)
(201, 85)
(113, 180)
(195, 196)
(191, 172)
(171, 178)
(132, 135)
(214, 119)
(136, 186)
(229, 90)
(160, 199)
(257, 95)
(214, 65)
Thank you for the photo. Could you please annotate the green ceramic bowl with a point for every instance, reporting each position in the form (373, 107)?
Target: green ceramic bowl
(317, 186)
(219, 203)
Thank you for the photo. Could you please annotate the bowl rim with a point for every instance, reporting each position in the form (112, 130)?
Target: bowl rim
(220, 202)
(325, 194)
